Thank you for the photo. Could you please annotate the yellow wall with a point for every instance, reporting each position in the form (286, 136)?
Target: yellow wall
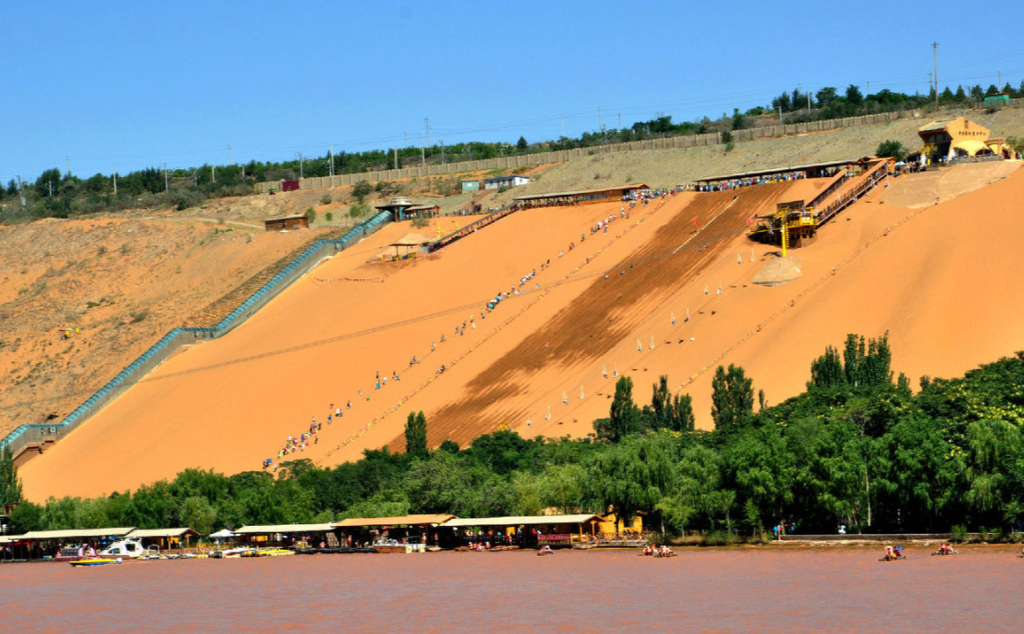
(611, 524)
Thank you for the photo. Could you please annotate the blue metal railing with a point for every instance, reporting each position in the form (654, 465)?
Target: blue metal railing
(27, 435)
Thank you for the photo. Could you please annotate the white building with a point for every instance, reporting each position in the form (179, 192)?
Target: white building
(505, 181)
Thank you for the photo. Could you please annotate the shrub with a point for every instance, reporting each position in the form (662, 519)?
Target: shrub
(420, 221)
(139, 316)
(329, 216)
(727, 137)
(310, 215)
(361, 189)
(359, 209)
(958, 534)
(326, 199)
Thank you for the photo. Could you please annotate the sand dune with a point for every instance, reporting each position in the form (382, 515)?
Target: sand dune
(932, 276)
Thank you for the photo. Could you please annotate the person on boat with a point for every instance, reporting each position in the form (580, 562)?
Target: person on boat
(889, 553)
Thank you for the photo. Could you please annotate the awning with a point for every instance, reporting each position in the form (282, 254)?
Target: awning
(523, 520)
(86, 533)
(222, 534)
(284, 528)
(162, 533)
(403, 520)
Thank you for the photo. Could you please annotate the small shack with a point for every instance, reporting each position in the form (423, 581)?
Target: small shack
(408, 245)
(523, 530)
(470, 186)
(404, 209)
(411, 528)
(581, 197)
(285, 535)
(286, 223)
(43, 544)
(514, 180)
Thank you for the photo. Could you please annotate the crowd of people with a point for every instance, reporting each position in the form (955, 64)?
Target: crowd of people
(302, 442)
(737, 183)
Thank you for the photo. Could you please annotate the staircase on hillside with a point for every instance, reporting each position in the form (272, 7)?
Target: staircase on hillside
(216, 311)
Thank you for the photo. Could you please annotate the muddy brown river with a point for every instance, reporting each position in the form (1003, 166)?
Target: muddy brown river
(702, 590)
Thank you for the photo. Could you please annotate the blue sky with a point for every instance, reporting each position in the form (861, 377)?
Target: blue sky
(138, 84)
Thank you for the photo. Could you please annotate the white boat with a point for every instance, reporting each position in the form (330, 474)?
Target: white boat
(125, 548)
(394, 546)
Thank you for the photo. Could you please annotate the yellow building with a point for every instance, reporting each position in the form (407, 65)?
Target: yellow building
(959, 138)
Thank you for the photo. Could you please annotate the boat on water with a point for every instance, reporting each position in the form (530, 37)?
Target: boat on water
(94, 561)
(76, 552)
(395, 546)
(266, 552)
(130, 548)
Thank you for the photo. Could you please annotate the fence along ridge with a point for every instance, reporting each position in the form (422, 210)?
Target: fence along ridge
(25, 436)
(561, 156)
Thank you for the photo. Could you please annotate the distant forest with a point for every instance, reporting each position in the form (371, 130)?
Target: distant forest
(857, 448)
(63, 195)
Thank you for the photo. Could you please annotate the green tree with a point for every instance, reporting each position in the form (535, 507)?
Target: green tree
(854, 96)
(416, 434)
(10, 484)
(197, 513)
(738, 121)
(521, 144)
(631, 476)
(891, 148)
(826, 96)
(624, 418)
(827, 370)
(732, 398)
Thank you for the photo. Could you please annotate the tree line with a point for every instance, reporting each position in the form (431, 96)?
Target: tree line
(857, 447)
(53, 194)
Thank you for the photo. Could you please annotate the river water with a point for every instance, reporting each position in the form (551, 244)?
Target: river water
(701, 590)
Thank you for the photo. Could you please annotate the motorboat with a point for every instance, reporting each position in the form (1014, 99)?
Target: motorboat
(95, 561)
(130, 548)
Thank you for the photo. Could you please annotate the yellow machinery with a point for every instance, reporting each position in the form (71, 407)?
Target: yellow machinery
(788, 226)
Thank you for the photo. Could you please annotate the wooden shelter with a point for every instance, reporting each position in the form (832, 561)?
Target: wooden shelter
(407, 246)
(287, 223)
(585, 196)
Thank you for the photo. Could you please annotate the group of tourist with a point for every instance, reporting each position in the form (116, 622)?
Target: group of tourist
(737, 183)
(302, 442)
(658, 551)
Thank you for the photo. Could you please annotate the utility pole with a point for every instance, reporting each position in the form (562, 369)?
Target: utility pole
(999, 85)
(21, 192)
(332, 159)
(426, 122)
(300, 166)
(620, 122)
(167, 182)
(230, 162)
(68, 160)
(195, 178)
(935, 53)
(396, 158)
(563, 128)
(442, 151)
(50, 187)
(780, 115)
(423, 153)
(115, 178)
(213, 173)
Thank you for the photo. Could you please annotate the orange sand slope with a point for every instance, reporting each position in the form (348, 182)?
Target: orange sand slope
(230, 403)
